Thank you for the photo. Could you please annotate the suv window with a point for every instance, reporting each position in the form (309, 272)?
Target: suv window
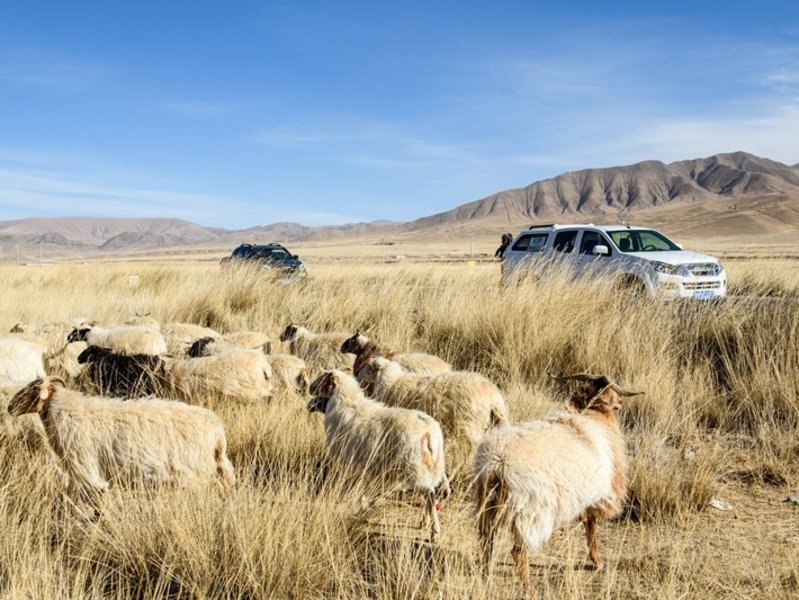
(591, 239)
(564, 241)
(642, 240)
(531, 242)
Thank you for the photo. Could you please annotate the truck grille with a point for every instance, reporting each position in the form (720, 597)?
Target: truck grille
(704, 269)
(702, 285)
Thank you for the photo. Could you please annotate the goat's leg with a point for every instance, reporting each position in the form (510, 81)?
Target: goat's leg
(432, 516)
(589, 523)
(522, 559)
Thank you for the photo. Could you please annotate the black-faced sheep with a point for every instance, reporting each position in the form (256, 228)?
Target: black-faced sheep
(401, 449)
(179, 336)
(247, 340)
(318, 350)
(122, 339)
(541, 475)
(414, 362)
(113, 374)
(100, 440)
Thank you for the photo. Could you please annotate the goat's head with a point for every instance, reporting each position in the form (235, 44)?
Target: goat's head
(35, 397)
(322, 389)
(197, 347)
(79, 334)
(354, 344)
(289, 332)
(368, 372)
(595, 392)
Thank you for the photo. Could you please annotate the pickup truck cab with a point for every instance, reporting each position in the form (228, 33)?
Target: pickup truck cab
(636, 257)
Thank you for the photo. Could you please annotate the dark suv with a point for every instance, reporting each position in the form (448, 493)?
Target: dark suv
(268, 256)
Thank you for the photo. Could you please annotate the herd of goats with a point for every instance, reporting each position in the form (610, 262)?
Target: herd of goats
(120, 404)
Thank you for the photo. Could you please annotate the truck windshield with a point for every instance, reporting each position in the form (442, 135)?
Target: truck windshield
(642, 240)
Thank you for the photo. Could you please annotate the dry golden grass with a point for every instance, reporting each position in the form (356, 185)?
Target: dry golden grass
(720, 418)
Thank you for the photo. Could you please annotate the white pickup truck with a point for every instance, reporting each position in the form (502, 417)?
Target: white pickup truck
(636, 257)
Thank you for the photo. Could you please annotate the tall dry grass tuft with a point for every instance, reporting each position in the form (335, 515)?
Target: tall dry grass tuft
(720, 418)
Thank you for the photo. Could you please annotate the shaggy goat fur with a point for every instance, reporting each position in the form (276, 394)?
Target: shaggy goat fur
(465, 403)
(122, 339)
(111, 374)
(414, 362)
(239, 375)
(541, 475)
(101, 440)
(20, 359)
(319, 350)
(401, 449)
(179, 336)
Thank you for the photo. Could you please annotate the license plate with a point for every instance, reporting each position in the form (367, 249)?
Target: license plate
(704, 294)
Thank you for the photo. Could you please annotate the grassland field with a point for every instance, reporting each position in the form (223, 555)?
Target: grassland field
(719, 421)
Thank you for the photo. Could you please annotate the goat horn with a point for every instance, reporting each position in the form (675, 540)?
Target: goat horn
(622, 392)
(578, 376)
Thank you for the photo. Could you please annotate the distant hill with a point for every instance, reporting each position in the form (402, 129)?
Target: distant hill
(741, 194)
(611, 191)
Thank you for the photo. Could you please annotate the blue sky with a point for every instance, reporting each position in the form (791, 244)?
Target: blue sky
(240, 113)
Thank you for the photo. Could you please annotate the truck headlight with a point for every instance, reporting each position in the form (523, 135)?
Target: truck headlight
(666, 268)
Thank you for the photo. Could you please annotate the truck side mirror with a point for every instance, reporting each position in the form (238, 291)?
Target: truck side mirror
(601, 250)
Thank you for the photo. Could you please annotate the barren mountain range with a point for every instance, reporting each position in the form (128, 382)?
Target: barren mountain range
(742, 193)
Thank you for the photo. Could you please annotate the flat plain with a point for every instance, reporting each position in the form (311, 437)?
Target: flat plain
(719, 422)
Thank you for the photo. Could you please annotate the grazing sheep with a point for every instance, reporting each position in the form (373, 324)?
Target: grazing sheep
(26, 431)
(401, 449)
(64, 362)
(465, 403)
(100, 440)
(55, 333)
(414, 362)
(289, 371)
(113, 374)
(321, 350)
(122, 339)
(179, 336)
(248, 340)
(20, 359)
(540, 475)
(238, 375)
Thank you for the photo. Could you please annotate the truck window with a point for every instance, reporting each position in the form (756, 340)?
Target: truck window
(564, 241)
(531, 242)
(591, 239)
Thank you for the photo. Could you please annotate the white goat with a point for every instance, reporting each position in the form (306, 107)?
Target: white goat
(101, 440)
(239, 375)
(322, 350)
(20, 359)
(414, 362)
(540, 475)
(122, 339)
(401, 449)
(466, 404)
